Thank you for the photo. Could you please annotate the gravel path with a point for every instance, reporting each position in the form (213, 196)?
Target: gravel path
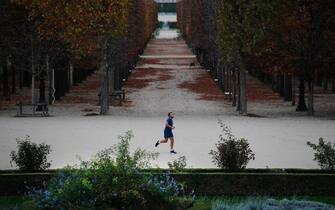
(278, 143)
(169, 78)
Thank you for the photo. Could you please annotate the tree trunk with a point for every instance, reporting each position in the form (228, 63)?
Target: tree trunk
(13, 78)
(71, 74)
(301, 103)
(318, 79)
(33, 92)
(112, 77)
(20, 79)
(325, 82)
(52, 86)
(281, 85)
(222, 79)
(310, 97)
(75, 77)
(293, 90)
(239, 98)
(116, 79)
(66, 80)
(274, 83)
(243, 94)
(26, 78)
(42, 101)
(287, 88)
(333, 84)
(233, 86)
(228, 81)
(238, 91)
(104, 96)
(56, 83)
(32, 80)
(6, 91)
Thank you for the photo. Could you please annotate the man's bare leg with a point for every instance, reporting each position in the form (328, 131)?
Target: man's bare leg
(171, 143)
(163, 141)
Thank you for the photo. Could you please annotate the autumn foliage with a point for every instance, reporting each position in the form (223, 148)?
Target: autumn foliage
(84, 23)
(74, 38)
(277, 41)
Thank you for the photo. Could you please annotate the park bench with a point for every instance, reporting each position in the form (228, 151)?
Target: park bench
(119, 95)
(34, 110)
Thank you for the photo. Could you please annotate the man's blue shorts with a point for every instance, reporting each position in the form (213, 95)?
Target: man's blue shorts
(168, 133)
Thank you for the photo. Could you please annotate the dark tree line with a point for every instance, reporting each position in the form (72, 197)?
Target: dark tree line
(39, 50)
(286, 44)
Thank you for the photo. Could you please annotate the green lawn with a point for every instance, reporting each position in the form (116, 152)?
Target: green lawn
(10, 202)
(15, 201)
(205, 203)
(201, 203)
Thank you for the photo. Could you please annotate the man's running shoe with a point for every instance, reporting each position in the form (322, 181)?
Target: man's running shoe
(173, 152)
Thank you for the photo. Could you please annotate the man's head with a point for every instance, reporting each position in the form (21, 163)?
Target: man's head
(171, 115)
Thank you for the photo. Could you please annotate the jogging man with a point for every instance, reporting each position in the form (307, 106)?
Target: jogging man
(168, 133)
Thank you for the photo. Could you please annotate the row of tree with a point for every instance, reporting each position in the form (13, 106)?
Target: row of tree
(61, 42)
(278, 41)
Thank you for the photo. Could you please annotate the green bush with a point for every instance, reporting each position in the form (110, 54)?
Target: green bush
(178, 164)
(111, 180)
(30, 156)
(231, 152)
(324, 154)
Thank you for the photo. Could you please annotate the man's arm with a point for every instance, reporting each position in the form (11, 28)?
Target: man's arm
(169, 126)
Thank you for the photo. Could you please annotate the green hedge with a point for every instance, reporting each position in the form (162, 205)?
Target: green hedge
(258, 184)
(252, 170)
(167, 7)
(211, 182)
(173, 25)
(18, 184)
(215, 170)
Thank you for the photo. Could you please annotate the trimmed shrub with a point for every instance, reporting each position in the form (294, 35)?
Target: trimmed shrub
(30, 156)
(112, 180)
(324, 154)
(231, 153)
